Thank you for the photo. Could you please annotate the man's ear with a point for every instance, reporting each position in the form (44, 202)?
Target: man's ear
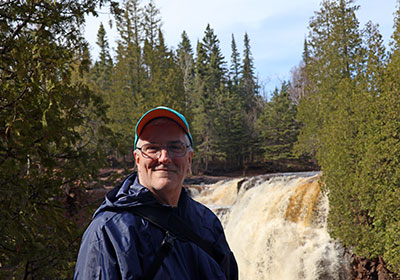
(136, 157)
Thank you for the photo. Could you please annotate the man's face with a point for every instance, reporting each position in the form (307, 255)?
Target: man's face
(163, 176)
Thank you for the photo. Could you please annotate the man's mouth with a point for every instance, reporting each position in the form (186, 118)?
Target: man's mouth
(165, 169)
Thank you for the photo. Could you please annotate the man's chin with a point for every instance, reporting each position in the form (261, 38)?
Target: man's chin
(167, 181)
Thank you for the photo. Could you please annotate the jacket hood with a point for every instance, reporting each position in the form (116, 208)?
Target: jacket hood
(128, 194)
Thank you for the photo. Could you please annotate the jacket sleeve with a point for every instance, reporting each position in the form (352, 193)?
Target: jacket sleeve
(97, 258)
(229, 266)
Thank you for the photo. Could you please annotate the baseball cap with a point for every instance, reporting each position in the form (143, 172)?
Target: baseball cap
(162, 112)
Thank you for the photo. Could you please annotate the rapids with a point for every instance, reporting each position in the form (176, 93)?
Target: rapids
(276, 226)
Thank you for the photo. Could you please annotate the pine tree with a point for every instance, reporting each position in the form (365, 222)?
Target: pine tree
(235, 69)
(151, 23)
(165, 85)
(129, 78)
(299, 82)
(248, 82)
(165, 78)
(278, 125)
(101, 73)
(233, 139)
(102, 42)
(186, 64)
(249, 91)
(210, 86)
(235, 115)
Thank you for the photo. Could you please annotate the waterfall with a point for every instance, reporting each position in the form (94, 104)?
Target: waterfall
(276, 226)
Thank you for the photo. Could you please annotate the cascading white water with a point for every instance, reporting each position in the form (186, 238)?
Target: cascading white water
(276, 227)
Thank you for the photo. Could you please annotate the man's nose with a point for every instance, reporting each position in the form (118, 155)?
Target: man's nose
(164, 155)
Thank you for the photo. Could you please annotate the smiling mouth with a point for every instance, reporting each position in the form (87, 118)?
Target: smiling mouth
(164, 169)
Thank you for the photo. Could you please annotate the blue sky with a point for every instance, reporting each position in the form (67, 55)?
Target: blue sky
(276, 28)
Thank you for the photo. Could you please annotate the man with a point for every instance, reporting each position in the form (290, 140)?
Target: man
(182, 239)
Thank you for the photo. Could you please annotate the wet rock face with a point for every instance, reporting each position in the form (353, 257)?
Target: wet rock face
(375, 269)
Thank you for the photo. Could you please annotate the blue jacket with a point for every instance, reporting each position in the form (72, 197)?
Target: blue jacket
(120, 245)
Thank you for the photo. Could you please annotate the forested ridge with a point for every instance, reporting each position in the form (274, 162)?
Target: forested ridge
(66, 114)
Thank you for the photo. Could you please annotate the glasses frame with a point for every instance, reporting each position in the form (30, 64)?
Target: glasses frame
(165, 147)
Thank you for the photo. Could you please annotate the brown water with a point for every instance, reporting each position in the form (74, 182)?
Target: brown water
(276, 227)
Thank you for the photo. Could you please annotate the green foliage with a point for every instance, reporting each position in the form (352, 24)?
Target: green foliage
(278, 125)
(128, 75)
(248, 85)
(55, 128)
(102, 69)
(350, 122)
(386, 170)
(210, 82)
(185, 62)
(145, 73)
(235, 68)
(49, 145)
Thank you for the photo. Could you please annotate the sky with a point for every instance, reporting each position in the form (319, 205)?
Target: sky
(276, 29)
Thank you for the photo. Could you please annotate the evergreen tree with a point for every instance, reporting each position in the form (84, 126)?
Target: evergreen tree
(201, 120)
(186, 64)
(46, 151)
(104, 55)
(352, 108)
(146, 72)
(210, 85)
(165, 86)
(387, 175)
(298, 83)
(248, 82)
(379, 167)
(278, 125)
(165, 78)
(334, 47)
(233, 139)
(102, 69)
(151, 23)
(235, 69)
(249, 91)
(129, 78)
(234, 122)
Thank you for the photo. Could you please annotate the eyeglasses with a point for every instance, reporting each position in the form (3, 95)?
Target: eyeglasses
(153, 151)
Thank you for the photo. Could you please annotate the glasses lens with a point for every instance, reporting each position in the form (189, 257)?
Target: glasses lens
(154, 150)
(177, 150)
(151, 150)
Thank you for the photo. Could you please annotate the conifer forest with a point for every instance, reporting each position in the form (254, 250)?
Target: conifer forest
(66, 114)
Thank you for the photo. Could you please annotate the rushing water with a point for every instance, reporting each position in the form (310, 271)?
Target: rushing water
(276, 226)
